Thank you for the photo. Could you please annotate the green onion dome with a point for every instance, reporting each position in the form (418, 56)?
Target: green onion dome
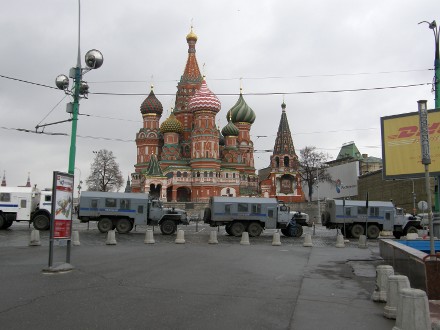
(151, 104)
(230, 129)
(171, 125)
(241, 112)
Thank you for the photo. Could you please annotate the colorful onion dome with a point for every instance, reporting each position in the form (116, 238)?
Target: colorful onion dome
(241, 112)
(171, 125)
(230, 129)
(151, 104)
(204, 99)
(191, 35)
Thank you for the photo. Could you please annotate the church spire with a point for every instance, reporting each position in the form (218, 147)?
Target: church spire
(28, 183)
(284, 142)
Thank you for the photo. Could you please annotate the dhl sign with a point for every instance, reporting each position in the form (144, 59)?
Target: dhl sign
(401, 151)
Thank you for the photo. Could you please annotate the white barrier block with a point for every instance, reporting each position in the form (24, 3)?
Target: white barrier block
(362, 242)
(412, 310)
(276, 239)
(180, 239)
(75, 238)
(245, 238)
(340, 242)
(213, 237)
(383, 272)
(149, 237)
(412, 236)
(35, 238)
(111, 238)
(308, 240)
(395, 284)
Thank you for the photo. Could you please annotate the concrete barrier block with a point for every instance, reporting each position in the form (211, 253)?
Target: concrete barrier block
(149, 237)
(111, 238)
(412, 310)
(395, 284)
(213, 237)
(276, 239)
(245, 238)
(35, 238)
(75, 238)
(308, 240)
(383, 272)
(180, 239)
(340, 242)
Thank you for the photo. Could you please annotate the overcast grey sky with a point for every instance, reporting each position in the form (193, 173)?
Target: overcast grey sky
(276, 46)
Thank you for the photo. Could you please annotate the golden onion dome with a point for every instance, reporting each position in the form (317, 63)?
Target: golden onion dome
(171, 125)
(191, 35)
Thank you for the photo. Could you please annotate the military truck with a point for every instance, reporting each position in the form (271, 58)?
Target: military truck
(121, 211)
(240, 214)
(355, 218)
(25, 204)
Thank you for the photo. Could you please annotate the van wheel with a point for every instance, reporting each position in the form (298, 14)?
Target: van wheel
(2, 222)
(168, 227)
(104, 225)
(237, 229)
(286, 232)
(357, 230)
(411, 230)
(296, 230)
(228, 230)
(123, 226)
(255, 229)
(373, 231)
(41, 222)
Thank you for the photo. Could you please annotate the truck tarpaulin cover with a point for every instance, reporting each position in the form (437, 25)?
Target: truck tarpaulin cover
(401, 151)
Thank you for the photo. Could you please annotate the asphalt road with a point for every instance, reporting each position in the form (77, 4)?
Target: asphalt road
(195, 285)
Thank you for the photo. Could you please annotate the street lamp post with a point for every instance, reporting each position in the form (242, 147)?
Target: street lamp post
(93, 60)
(435, 29)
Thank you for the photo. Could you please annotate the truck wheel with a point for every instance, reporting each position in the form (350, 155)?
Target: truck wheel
(296, 231)
(8, 224)
(2, 222)
(228, 230)
(357, 230)
(373, 231)
(286, 232)
(123, 226)
(207, 215)
(168, 227)
(237, 229)
(104, 225)
(41, 222)
(255, 229)
(411, 230)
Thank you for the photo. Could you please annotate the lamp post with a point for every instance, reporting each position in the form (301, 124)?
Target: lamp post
(93, 60)
(426, 160)
(435, 29)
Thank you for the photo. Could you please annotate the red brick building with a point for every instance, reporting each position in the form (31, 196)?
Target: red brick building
(187, 158)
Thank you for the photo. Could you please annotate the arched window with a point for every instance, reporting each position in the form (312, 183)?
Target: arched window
(211, 174)
(286, 161)
(179, 174)
(185, 174)
(198, 174)
(205, 174)
(277, 162)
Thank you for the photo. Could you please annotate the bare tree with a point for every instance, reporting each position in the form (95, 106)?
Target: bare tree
(104, 173)
(312, 168)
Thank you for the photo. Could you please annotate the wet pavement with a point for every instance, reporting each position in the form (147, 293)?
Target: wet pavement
(195, 285)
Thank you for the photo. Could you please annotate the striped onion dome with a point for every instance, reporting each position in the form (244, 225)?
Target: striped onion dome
(151, 104)
(204, 99)
(230, 130)
(171, 125)
(241, 112)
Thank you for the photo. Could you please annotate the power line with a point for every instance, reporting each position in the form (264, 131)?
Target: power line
(28, 82)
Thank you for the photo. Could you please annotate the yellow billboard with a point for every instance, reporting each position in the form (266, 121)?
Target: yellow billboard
(401, 151)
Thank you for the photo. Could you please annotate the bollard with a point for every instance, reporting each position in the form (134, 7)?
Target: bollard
(245, 238)
(362, 242)
(180, 239)
(276, 240)
(395, 284)
(340, 243)
(412, 310)
(149, 237)
(307, 240)
(111, 238)
(213, 237)
(35, 238)
(382, 274)
(75, 238)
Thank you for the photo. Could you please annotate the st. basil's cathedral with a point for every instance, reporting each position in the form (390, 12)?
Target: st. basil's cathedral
(188, 159)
